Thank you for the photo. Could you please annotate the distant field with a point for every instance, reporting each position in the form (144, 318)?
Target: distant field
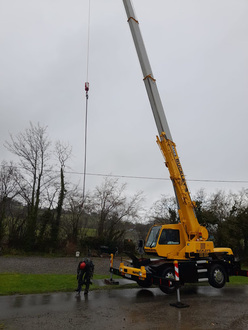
(90, 232)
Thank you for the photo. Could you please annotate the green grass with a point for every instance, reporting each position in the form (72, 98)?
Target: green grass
(238, 280)
(43, 283)
(39, 283)
(90, 232)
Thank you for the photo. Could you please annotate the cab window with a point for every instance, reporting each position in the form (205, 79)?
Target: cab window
(153, 236)
(169, 236)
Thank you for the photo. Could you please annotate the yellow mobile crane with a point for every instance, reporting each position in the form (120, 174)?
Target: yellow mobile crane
(187, 242)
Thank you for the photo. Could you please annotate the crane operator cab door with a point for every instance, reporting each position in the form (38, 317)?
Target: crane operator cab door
(165, 240)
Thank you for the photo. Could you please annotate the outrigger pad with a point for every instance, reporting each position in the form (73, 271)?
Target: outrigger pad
(179, 305)
(111, 282)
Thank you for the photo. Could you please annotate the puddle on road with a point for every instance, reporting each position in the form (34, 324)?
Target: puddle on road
(23, 305)
(26, 304)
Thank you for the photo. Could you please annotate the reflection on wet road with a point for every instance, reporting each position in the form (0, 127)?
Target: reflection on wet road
(12, 306)
(209, 307)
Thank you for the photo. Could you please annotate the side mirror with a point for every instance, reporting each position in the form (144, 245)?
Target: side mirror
(141, 246)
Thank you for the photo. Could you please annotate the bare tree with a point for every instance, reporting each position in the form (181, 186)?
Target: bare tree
(63, 152)
(164, 210)
(32, 148)
(76, 214)
(112, 207)
(8, 191)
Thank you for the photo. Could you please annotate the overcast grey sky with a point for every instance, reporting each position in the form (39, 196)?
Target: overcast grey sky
(198, 51)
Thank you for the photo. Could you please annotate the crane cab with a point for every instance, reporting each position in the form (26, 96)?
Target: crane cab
(171, 241)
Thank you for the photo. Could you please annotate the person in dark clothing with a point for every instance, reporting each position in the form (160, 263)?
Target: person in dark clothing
(85, 272)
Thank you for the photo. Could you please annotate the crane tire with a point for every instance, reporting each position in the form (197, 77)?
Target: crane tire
(168, 273)
(144, 283)
(217, 276)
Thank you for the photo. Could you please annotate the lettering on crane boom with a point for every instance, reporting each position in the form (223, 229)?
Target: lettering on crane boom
(179, 166)
(174, 151)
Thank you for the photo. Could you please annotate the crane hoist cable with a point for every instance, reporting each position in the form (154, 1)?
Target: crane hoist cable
(87, 87)
(85, 137)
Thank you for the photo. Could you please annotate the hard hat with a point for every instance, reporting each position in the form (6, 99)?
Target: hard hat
(82, 265)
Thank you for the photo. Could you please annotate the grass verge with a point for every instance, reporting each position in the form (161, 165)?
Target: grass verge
(39, 283)
(43, 283)
(238, 280)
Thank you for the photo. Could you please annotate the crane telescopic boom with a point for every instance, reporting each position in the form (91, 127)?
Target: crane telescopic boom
(149, 79)
(165, 142)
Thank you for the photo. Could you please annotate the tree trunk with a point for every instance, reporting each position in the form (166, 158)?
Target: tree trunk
(57, 221)
(2, 218)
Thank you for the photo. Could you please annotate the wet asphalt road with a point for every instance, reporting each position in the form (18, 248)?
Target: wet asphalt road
(128, 309)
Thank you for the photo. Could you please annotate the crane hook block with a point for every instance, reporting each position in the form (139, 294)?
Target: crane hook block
(87, 86)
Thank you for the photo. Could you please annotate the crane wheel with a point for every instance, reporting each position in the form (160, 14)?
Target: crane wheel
(144, 283)
(217, 276)
(168, 273)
